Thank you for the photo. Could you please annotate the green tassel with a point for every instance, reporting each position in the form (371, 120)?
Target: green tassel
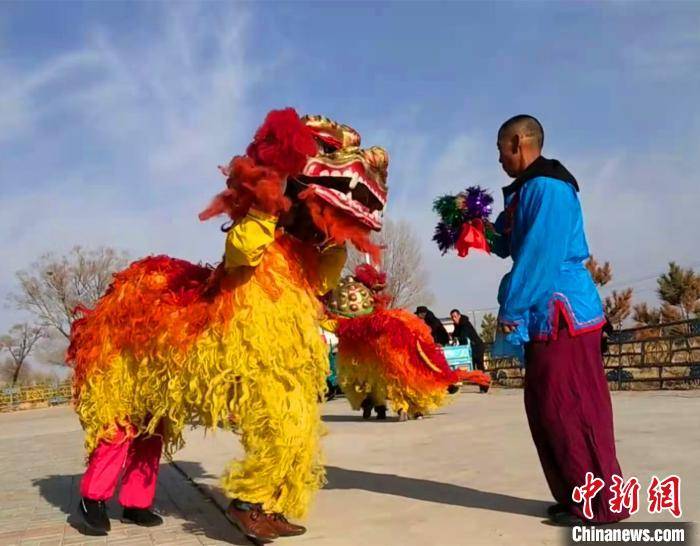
(490, 234)
(450, 213)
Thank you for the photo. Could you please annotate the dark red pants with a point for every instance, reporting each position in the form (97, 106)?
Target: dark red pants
(570, 414)
(136, 460)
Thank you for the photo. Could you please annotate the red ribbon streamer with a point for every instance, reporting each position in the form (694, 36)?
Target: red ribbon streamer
(472, 235)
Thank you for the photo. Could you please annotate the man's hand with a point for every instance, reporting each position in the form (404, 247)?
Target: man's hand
(506, 328)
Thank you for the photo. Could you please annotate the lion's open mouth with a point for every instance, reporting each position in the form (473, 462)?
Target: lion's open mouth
(349, 187)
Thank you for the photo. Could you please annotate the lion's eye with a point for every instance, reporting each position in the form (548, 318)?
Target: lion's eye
(325, 147)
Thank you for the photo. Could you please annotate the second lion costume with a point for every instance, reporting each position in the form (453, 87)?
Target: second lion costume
(388, 355)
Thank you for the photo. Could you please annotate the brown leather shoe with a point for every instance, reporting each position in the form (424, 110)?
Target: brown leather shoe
(283, 527)
(253, 523)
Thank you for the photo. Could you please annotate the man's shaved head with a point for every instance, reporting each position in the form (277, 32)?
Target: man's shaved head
(519, 144)
(526, 126)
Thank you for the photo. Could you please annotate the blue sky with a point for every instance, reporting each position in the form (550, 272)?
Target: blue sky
(114, 116)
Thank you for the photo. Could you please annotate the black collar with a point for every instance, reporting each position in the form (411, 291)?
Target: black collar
(551, 168)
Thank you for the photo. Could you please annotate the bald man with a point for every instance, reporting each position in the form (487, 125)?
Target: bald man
(550, 307)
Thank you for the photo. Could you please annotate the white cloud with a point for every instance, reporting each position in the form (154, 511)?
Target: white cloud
(117, 142)
(668, 55)
(641, 213)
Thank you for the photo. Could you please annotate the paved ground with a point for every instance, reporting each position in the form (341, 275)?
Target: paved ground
(467, 476)
(41, 461)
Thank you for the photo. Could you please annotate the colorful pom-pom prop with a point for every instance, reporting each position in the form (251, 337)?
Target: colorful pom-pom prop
(445, 237)
(464, 221)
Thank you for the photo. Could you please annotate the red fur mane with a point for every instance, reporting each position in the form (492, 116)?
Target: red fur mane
(283, 143)
(370, 276)
(280, 149)
(375, 280)
(248, 185)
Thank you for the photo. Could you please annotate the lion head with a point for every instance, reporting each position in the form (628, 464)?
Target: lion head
(313, 174)
(346, 176)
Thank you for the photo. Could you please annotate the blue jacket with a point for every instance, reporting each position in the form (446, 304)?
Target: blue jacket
(542, 230)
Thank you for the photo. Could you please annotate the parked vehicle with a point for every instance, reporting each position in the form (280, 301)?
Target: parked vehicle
(332, 379)
(459, 357)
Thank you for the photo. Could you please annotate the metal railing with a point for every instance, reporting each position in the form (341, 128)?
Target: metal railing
(22, 397)
(656, 357)
(650, 357)
(665, 356)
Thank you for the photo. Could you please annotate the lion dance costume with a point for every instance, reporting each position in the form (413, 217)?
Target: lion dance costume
(238, 346)
(388, 354)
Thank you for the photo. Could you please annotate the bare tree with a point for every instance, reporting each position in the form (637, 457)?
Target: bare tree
(55, 285)
(51, 350)
(402, 261)
(19, 343)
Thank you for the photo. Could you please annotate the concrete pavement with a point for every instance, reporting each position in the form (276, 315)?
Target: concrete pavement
(41, 462)
(468, 475)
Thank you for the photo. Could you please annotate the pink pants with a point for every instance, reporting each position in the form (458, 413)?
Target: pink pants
(137, 458)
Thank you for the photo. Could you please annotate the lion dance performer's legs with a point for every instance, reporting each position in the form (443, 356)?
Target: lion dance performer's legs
(135, 459)
(280, 430)
(365, 396)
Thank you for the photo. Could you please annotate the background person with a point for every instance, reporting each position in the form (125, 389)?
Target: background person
(438, 330)
(464, 332)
